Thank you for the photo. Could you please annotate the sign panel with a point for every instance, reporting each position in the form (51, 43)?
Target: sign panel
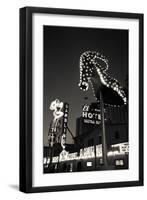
(91, 115)
(64, 124)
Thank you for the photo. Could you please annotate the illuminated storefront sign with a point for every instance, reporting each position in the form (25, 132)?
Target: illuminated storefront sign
(119, 162)
(89, 164)
(88, 153)
(123, 148)
(72, 156)
(85, 153)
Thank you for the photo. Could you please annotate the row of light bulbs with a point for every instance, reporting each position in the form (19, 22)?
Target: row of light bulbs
(87, 64)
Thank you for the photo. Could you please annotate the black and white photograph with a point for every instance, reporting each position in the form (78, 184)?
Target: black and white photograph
(85, 99)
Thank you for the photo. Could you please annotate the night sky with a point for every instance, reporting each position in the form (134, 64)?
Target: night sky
(62, 49)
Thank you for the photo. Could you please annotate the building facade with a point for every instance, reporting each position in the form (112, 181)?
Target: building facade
(86, 152)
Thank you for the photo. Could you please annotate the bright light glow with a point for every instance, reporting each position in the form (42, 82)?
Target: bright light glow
(123, 147)
(48, 161)
(89, 152)
(119, 162)
(57, 106)
(44, 160)
(63, 156)
(112, 153)
(89, 164)
(89, 64)
(55, 159)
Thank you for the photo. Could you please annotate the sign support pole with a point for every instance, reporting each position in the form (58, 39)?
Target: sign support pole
(104, 143)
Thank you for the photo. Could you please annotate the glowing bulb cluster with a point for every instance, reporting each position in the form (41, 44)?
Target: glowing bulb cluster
(89, 66)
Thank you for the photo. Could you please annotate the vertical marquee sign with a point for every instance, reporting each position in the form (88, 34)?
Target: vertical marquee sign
(64, 125)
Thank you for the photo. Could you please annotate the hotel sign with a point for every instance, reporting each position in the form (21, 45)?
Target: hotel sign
(91, 115)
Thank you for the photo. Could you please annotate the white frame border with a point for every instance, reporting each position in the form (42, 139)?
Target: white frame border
(132, 174)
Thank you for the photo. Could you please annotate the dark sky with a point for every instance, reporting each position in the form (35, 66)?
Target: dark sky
(62, 49)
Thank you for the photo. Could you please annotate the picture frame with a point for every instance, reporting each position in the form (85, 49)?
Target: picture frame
(38, 23)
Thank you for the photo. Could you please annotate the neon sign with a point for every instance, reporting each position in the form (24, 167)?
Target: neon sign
(64, 125)
(56, 106)
(88, 153)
